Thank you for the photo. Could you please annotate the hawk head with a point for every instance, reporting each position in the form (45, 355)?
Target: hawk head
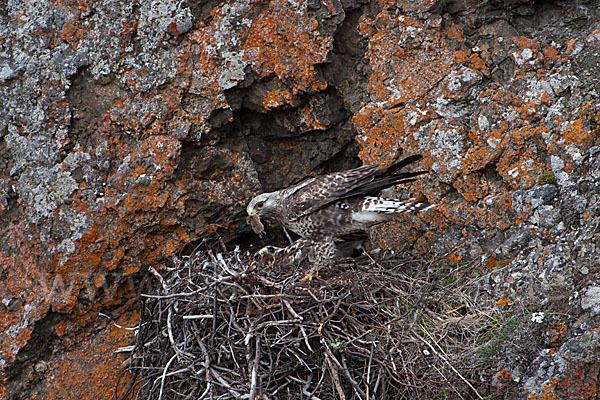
(263, 205)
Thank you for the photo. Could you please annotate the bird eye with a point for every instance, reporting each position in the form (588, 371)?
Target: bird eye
(260, 204)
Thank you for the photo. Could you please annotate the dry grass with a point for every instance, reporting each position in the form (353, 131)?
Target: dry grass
(218, 325)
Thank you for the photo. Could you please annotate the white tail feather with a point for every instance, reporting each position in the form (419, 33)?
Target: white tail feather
(377, 209)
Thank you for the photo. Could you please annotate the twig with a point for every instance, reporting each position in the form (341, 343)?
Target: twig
(252, 332)
(334, 365)
(202, 316)
(170, 332)
(164, 375)
(117, 325)
(359, 392)
(288, 235)
(171, 296)
(207, 366)
(368, 385)
(224, 383)
(449, 364)
(159, 277)
(254, 372)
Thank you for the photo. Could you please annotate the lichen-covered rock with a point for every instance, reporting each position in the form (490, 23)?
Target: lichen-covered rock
(120, 146)
(509, 121)
(128, 131)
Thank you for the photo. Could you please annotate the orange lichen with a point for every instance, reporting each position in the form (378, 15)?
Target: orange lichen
(475, 186)
(559, 334)
(504, 377)
(454, 257)
(455, 32)
(550, 52)
(28, 282)
(285, 41)
(503, 302)
(578, 381)
(594, 37)
(490, 262)
(309, 120)
(478, 63)
(495, 262)
(460, 56)
(277, 98)
(575, 132)
(88, 371)
(366, 26)
(406, 58)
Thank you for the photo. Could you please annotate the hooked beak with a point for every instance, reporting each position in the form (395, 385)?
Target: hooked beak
(254, 212)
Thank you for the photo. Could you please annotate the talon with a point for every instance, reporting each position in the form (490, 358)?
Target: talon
(309, 277)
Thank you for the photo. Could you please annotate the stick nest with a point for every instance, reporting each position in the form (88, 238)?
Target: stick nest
(219, 325)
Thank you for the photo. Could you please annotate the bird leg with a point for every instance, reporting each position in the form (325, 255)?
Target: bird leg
(325, 251)
(294, 253)
(288, 235)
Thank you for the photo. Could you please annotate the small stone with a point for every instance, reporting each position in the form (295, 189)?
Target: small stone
(591, 300)
(483, 122)
(184, 22)
(7, 70)
(544, 194)
(6, 301)
(40, 367)
(584, 270)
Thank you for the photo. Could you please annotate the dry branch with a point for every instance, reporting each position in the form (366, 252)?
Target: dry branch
(217, 325)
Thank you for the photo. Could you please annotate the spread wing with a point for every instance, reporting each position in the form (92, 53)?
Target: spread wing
(368, 180)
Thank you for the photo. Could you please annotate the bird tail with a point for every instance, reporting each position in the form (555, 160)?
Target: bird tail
(377, 209)
(387, 206)
(388, 176)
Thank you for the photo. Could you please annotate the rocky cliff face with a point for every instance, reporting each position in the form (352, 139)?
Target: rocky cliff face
(128, 130)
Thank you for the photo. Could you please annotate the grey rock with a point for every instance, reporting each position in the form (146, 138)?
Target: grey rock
(518, 241)
(8, 70)
(581, 349)
(591, 300)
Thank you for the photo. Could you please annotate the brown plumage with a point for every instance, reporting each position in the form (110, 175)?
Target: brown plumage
(326, 208)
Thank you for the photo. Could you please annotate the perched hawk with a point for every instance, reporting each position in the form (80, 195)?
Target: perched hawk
(325, 209)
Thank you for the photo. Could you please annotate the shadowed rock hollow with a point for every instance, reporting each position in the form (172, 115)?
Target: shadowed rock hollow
(129, 131)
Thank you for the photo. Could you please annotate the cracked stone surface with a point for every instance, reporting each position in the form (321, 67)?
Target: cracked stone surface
(130, 130)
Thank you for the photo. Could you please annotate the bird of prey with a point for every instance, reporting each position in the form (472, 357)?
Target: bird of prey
(325, 209)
